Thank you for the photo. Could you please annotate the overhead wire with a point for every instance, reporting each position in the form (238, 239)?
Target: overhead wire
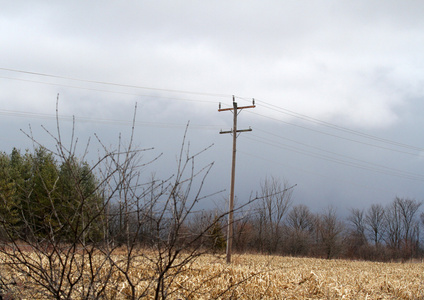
(331, 125)
(332, 135)
(264, 104)
(15, 113)
(106, 91)
(350, 162)
(301, 170)
(337, 154)
(116, 84)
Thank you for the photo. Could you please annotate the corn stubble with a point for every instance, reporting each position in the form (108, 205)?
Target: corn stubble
(254, 277)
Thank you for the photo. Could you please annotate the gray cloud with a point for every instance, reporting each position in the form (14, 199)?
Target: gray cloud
(357, 64)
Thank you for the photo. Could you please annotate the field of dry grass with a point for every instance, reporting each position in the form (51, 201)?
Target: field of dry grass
(306, 278)
(272, 277)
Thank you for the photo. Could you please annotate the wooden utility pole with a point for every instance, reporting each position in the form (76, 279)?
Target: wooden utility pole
(234, 132)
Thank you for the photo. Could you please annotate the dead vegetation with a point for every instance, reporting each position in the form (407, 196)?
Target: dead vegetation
(249, 277)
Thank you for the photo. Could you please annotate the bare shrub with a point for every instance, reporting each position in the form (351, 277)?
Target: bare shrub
(91, 241)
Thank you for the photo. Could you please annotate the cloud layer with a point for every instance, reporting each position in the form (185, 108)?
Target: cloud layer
(352, 63)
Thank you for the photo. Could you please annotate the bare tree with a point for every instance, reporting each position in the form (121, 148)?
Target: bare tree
(301, 223)
(356, 240)
(276, 200)
(300, 218)
(394, 226)
(403, 226)
(329, 229)
(408, 209)
(375, 222)
(244, 231)
(357, 221)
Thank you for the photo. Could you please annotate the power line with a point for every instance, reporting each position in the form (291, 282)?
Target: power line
(341, 155)
(108, 91)
(377, 168)
(314, 173)
(156, 124)
(23, 114)
(337, 127)
(335, 135)
(116, 84)
(264, 104)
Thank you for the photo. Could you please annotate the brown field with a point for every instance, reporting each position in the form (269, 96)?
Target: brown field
(273, 277)
(269, 277)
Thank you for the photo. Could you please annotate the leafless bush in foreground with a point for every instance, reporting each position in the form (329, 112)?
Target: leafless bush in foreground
(102, 232)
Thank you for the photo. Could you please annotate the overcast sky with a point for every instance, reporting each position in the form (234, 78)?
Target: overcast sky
(339, 87)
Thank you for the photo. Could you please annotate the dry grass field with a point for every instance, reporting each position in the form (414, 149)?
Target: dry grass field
(306, 278)
(265, 277)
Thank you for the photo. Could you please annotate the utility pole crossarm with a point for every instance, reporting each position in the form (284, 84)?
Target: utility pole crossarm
(234, 131)
(240, 107)
(238, 130)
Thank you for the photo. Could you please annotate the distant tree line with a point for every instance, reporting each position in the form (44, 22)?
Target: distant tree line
(379, 233)
(43, 199)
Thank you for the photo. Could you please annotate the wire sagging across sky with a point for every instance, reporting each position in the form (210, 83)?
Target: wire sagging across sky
(303, 148)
